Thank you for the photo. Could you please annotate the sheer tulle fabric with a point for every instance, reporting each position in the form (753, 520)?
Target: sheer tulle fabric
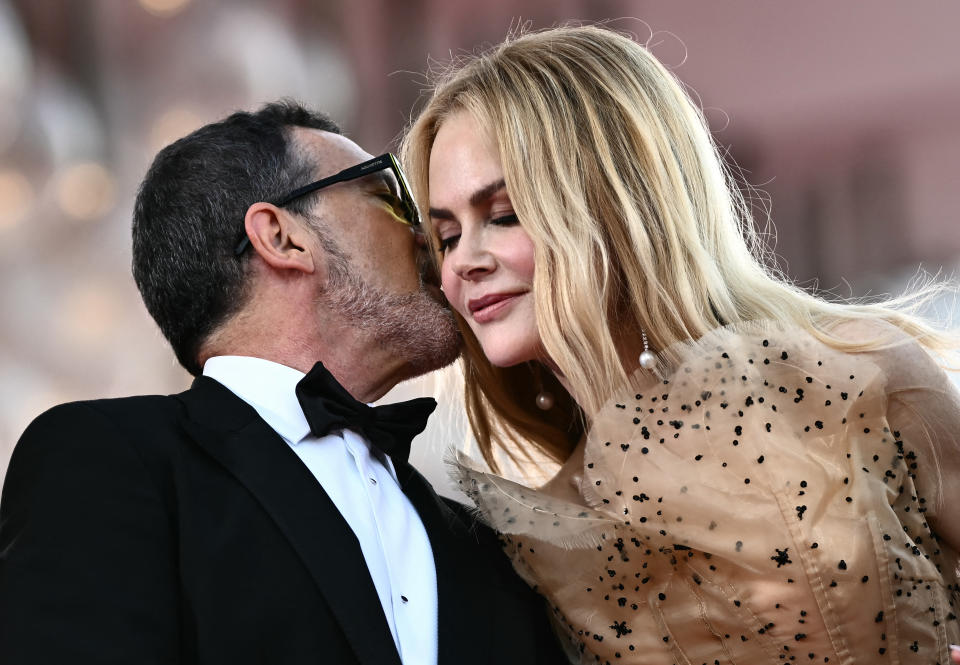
(752, 505)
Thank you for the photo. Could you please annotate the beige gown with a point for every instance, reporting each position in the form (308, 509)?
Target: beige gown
(759, 503)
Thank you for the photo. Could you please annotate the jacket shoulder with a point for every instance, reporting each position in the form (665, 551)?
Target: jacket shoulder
(144, 427)
(143, 413)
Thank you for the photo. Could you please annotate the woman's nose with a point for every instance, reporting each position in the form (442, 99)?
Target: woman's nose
(471, 258)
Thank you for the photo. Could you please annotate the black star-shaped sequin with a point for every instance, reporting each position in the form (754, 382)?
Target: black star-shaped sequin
(782, 558)
(621, 628)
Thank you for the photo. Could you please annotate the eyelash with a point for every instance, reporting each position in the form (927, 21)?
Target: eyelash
(391, 198)
(451, 241)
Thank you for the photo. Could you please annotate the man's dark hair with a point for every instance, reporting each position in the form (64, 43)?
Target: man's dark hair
(189, 213)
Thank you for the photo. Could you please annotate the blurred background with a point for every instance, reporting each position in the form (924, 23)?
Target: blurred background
(845, 114)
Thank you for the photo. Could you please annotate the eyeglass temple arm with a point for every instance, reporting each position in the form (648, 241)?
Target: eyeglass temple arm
(351, 173)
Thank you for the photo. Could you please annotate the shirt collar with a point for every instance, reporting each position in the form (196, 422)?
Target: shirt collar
(269, 387)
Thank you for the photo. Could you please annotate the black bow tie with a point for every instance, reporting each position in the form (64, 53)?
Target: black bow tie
(391, 427)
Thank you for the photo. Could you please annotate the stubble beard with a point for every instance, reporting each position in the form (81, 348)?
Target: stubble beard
(416, 326)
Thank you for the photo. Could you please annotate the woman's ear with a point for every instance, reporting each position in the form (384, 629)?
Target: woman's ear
(279, 238)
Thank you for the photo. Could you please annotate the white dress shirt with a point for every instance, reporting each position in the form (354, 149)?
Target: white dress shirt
(362, 483)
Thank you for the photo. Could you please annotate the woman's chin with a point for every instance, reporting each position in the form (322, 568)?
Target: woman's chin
(504, 360)
(510, 355)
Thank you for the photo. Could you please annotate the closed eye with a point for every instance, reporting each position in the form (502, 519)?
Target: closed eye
(397, 204)
(392, 199)
(450, 242)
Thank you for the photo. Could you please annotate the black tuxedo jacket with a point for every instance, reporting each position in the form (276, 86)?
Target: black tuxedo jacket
(182, 529)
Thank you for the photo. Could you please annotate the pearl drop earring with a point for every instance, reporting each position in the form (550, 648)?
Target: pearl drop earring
(544, 399)
(647, 359)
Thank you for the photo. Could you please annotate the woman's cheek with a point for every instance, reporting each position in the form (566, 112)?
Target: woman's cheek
(451, 288)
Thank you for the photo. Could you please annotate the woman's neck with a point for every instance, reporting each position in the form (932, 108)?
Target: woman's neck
(628, 350)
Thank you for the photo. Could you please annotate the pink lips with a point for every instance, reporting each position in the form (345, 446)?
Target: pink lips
(489, 306)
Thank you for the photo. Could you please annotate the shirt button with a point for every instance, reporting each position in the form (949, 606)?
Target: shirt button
(404, 599)
(373, 481)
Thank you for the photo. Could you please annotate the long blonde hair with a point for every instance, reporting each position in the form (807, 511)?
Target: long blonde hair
(636, 222)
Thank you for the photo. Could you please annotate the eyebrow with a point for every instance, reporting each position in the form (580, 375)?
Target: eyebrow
(476, 199)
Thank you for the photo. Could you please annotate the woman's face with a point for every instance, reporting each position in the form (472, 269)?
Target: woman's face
(487, 263)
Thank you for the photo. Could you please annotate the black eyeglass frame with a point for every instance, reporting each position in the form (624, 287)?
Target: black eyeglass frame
(384, 161)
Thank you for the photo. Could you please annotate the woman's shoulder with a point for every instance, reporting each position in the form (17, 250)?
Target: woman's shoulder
(872, 346)
(903, 360)
(750, 351)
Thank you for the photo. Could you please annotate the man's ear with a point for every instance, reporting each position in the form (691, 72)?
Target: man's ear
(279, 238)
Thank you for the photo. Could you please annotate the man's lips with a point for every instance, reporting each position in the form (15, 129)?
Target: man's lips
(489, 306)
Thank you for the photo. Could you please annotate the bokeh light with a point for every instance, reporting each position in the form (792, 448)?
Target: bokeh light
(164, 8)
(173, 124)
(16, 198)
(86, 191)
(89, 311)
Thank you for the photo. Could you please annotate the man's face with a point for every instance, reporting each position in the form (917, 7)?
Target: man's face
(377, 276)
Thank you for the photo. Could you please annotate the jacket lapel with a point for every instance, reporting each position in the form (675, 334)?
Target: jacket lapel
(233, 433)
